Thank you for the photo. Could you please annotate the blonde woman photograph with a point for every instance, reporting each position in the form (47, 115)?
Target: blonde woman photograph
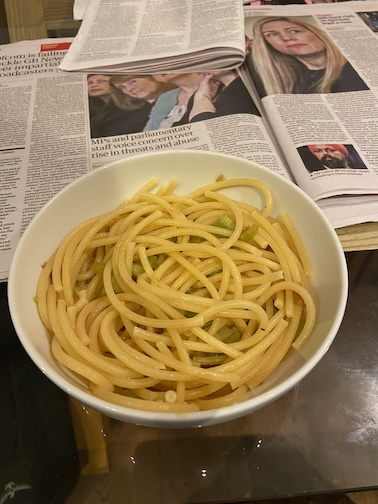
(293, 56)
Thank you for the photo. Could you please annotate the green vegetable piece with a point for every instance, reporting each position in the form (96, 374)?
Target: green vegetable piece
(232, 338)
(228, 334)
(196, 239)
(153, 260)
(249, 233)
(160, 259)
(225, 222)
(98, 268)
(136, 269)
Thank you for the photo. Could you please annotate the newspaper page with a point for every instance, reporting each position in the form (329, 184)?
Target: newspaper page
(285, 2)
(44, 134)
(314, 70)
(58, 126)
(79, 9)
(146, 36)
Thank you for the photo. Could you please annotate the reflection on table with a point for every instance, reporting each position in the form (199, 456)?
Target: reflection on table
(309, 441)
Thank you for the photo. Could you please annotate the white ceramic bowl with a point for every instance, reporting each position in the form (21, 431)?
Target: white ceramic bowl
(102, 190)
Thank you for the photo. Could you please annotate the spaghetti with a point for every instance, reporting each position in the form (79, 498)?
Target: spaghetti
(178, 304)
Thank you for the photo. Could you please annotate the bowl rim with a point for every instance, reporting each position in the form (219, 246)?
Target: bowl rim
(192, 419)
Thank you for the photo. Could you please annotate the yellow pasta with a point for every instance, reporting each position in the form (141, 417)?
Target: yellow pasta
(178, 303)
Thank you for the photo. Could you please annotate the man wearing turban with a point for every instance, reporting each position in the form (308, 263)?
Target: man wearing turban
(331, 155)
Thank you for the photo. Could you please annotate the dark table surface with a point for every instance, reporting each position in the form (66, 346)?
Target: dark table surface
(320, 437)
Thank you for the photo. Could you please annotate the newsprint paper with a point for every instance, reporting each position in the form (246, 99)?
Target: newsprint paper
(151, 36)
(51, 132)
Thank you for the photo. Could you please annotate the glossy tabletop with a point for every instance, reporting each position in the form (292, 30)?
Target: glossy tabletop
(320, 437)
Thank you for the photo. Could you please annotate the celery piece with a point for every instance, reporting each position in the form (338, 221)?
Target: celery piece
(136, 269)
(98, 268)
(225, 222)
(249, 233)
(160, 259)
(224, 332)
(232, 338)
(153, 260)
(196, 239)
(228, 334)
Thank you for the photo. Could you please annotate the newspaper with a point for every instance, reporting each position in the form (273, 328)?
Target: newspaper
(308, 122)
(153, 36)
(57, 126)
(79, 9)
(47, 140)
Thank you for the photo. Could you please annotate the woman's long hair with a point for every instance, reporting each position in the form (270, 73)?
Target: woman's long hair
(127, 102)
(101, 109)
(278, 71)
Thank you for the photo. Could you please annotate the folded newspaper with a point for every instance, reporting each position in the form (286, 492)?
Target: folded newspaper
(57, 126)
(154, 36)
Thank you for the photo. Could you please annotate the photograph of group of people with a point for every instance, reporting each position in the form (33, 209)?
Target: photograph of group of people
(126, 104)
(295, 56)
(322, 156)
